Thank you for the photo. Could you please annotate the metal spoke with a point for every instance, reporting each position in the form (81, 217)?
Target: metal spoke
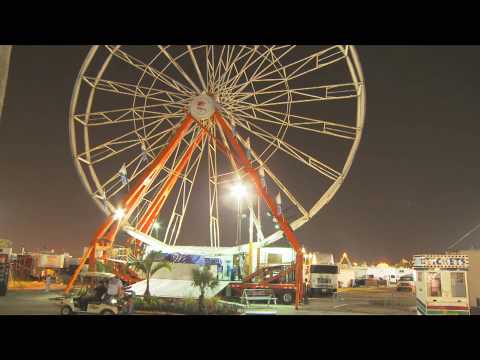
(225, 77)
(136, 162)
(259, 70)
(147, 69)
(199, 73)
(291, 150)
(213, 191)
(323, 92)
(181, 203)
(173, 99)
(275, 179)
(179, 68)
(301, 122)
(316, 61)
(124, 138)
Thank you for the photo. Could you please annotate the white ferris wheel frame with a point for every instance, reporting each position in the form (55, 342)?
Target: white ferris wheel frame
(173, 103)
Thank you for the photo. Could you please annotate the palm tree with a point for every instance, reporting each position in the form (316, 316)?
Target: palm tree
(152, 263)
(203, 279)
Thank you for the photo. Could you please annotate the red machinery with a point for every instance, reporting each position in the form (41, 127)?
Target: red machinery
(279, 278)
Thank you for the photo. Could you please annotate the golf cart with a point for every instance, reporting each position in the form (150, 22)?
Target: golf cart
(107, 305)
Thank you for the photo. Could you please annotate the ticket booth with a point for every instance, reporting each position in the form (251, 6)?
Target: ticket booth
(441, 284)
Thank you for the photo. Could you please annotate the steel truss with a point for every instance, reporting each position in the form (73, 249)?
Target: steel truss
(106, 234)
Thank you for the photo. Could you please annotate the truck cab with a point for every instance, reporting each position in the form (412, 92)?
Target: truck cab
(406, 282)
(323, 279)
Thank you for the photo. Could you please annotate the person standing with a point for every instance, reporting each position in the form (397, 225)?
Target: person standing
(114, 287)
(100, 290)
(305, 292)
(129, 305)
(229, 269)
(219, 271)
(48, 280)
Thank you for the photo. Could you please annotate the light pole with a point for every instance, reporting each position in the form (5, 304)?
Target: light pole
(156, 227)
(240, 191)
(119, 214)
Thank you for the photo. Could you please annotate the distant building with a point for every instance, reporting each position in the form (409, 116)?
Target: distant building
(36, 264)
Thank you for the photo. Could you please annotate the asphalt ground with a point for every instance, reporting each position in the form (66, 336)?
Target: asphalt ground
(29, 302)
(372, 301)
(358, 301)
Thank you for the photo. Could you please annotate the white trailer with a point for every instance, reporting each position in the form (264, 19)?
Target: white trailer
(322, 274)
(383, 273)
(346, 276)
(441, 285)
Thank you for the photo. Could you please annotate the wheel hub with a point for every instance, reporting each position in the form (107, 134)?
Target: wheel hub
(202, 107)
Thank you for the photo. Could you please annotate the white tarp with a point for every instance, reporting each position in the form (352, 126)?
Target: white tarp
(175, 288)
(179, 271)
(156, 244)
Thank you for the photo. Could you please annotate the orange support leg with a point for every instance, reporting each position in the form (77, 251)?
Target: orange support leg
(88, 253)
(134, 197)
(148, 219)
(283, 223)
(151, 173)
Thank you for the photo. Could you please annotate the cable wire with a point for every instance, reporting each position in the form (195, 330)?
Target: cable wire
(464, 237)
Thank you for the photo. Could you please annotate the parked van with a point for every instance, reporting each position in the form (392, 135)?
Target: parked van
(406, 283)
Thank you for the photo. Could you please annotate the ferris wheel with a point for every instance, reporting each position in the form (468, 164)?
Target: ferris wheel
(167, 139)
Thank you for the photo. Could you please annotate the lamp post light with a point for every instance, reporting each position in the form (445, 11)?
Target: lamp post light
(239, 192)
(119, 214)
(156, 227)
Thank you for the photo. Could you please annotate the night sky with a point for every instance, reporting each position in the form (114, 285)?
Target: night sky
(413, 186)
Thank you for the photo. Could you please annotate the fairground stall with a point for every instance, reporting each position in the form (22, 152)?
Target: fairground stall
(441, 284)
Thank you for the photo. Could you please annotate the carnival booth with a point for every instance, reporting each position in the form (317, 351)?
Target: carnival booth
(441, 284)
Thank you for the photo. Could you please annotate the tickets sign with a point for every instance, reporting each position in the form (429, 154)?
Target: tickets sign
(440, 262)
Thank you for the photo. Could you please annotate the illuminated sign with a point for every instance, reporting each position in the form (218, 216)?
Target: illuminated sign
(7, 251)
(440, 262)
(50, 261)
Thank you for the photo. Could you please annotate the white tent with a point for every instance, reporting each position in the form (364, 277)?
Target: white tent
(175, 288)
